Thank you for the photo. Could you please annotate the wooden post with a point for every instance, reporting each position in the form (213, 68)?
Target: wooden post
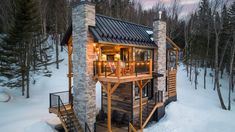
(140, 103)
(150, 67)
(118, 69)
(99, 62)
(109, 106)
(70, 69)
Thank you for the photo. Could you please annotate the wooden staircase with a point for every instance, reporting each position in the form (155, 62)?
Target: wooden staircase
(147, 110)
(70, 121)
(151, 108)
(60, 106)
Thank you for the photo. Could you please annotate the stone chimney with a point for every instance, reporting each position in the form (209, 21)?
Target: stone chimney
(159, 37)
(83, 15)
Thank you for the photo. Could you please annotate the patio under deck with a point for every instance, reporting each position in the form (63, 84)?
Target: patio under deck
(102, 127)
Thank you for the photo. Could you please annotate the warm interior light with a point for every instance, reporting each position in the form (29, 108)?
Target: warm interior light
(117, 57)
(104, 57)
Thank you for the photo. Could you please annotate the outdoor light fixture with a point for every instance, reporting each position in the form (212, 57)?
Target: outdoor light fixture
(160, 15)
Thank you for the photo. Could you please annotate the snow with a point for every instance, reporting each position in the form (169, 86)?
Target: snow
(4, 97)
(39, 127)
(23, 115)
(98, 96)
(196, 110)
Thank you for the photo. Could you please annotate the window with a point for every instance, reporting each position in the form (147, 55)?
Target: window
(142, 57)
(147, 91)
(171, 59)
(143, 54)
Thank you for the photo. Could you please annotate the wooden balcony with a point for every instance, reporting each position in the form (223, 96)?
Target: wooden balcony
(119, 71)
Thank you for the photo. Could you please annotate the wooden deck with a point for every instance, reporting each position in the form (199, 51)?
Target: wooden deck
(55, 109)
(124, 79)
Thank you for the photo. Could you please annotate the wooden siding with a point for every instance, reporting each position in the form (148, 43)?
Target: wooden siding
(171, 80)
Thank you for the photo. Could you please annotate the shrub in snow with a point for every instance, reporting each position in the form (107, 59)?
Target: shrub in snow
(4, 97)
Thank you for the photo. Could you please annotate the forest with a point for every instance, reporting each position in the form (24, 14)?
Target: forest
(206, 36)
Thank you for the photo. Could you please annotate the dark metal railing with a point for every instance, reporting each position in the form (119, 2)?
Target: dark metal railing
(87, 129)
(64, 96)
(121, 68)
(58, 100)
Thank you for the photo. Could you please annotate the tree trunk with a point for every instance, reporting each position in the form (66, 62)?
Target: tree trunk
(207, 54)
(221, 72)
(217, 70)
(232, 81)
(230, 74)
(196, 73)
(57, 44)
(23, 80)
(28, 62)
(190, 69)
(27, 83)
(205, 73)
(186, 48)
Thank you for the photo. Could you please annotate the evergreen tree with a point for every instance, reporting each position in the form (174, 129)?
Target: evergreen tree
(232, 16)
(18, 46)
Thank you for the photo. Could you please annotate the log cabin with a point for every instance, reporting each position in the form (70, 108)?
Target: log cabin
(135, 64)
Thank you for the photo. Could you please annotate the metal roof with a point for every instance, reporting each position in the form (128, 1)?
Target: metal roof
(111, 30)
(115, 31)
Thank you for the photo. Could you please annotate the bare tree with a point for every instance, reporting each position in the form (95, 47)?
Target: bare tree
(231, 72)
(217, 33)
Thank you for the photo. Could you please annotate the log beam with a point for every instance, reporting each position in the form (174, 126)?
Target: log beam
(109, 106)
(70, 75)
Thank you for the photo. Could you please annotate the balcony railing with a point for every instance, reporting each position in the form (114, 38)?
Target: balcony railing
(121, 68)
(63, 96)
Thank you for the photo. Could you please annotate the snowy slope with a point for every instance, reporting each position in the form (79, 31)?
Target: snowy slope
(196, 110)
(21, 114)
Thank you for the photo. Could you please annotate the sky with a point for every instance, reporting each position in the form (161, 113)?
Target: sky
(188, 5)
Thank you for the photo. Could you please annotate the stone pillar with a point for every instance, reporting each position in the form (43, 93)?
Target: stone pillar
(83, 15)
(159, 37)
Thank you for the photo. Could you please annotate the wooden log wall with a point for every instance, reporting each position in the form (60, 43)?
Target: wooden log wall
(136, 114)
(121, 102)
(171, 80)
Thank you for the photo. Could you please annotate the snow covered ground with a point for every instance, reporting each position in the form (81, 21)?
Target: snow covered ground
(195, 111)
(31, 115)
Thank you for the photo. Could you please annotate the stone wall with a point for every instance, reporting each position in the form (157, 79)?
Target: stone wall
(159, 36)
(83, 15)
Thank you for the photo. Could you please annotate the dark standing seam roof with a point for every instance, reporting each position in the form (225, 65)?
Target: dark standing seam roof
(113, 31)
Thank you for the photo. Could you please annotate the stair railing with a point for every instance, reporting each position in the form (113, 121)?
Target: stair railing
(60, 106)
(131, 128)
(87, 128)
(60, 102)
(158, 99)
